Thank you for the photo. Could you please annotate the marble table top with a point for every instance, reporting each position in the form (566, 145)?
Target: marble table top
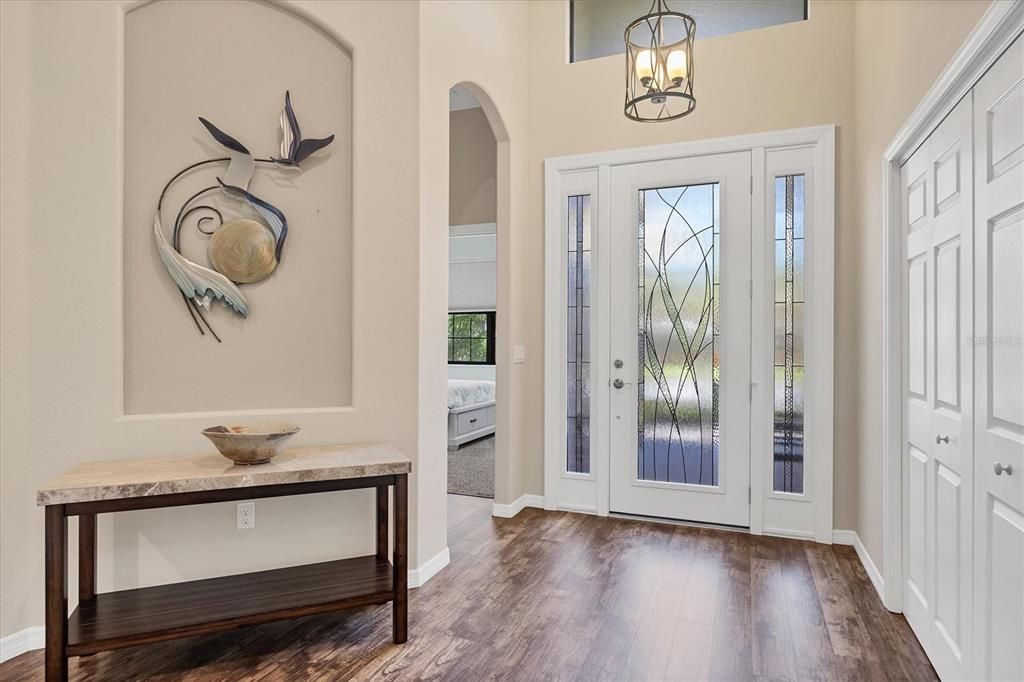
(125, 478)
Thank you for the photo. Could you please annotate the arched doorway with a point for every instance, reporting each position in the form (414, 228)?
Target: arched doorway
(478, 288)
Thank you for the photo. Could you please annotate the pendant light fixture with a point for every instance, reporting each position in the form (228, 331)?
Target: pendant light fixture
(659, 65)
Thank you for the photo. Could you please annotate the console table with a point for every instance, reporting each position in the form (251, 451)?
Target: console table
(151, 614)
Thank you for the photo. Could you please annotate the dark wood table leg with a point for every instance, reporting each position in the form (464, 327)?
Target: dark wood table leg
(382, 522)
(400, 606)
(56, 593)
(86, 557)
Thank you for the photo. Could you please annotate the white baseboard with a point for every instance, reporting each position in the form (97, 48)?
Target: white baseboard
(34, 638)
(28, 639)
(427, 570)
(850, 537)
(507, 511)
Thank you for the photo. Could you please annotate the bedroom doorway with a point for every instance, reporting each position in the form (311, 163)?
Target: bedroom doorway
(472, 298)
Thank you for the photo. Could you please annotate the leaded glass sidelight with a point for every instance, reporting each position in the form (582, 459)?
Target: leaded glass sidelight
(578, 335)
(788, 463)
(679, 344)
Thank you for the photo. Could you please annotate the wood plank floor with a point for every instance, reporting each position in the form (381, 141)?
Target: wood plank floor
(559, 596)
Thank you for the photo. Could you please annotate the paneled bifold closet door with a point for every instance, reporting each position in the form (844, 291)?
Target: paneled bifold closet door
(937, 465)
(999, 368)
(963, 419)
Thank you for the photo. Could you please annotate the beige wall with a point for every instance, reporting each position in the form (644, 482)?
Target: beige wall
(20, 522)
(61, 215)
(902, 47)
(472, 193)
(787, 76)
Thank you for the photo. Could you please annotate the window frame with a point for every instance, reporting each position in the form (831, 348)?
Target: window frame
(491, 316)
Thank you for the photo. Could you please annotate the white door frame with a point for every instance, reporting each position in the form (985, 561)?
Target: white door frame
(1000, 25)
(820, 140)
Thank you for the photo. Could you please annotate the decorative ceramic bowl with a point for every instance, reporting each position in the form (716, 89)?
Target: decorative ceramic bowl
(250, 443)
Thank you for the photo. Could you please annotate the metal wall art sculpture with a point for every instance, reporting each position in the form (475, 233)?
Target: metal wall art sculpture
(242, 250)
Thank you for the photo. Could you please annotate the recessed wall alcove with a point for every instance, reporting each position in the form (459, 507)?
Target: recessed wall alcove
(231, 62)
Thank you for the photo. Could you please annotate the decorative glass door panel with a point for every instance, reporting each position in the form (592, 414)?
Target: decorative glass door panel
(788, 422)
(578, 335)
(680, 334)
(677, 434)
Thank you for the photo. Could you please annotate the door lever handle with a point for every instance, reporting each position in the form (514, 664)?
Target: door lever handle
(941, 439)
(1000, 468)
(618, 383)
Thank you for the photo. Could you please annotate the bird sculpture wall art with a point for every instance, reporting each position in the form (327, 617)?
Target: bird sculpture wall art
(244, 249)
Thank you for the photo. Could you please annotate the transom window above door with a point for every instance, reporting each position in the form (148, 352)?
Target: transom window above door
(597, 25)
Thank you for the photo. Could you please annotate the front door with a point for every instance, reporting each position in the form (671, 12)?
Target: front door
(680, 267)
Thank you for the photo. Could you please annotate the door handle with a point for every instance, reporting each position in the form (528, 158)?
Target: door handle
(999, 468)
(941, 439)
(618, 383)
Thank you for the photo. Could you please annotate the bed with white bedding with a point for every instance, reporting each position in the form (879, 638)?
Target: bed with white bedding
(470, 410)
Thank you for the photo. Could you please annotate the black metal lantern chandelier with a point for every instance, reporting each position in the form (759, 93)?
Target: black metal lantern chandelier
(659, 65)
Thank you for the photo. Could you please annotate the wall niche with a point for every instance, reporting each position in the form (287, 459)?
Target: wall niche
(231, 63)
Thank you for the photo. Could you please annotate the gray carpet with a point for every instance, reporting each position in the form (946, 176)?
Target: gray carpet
(471, 469)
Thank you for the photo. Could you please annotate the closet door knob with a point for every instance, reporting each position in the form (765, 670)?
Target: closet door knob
(999, 468)
(941, 439)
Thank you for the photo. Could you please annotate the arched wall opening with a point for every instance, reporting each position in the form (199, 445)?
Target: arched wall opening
(503, 345)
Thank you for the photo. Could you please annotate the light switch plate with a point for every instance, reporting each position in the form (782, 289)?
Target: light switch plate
(519, 354)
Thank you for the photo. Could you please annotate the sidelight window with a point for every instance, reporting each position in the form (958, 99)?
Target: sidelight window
(578, 335)
(788, 462)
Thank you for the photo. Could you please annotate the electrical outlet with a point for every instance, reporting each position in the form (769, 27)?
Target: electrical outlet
(246, 515)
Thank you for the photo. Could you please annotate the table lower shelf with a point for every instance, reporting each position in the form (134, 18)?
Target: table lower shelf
(152, 614)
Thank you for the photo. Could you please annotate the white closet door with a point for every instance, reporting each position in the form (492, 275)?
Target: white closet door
(999, 358)
(938, 466)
